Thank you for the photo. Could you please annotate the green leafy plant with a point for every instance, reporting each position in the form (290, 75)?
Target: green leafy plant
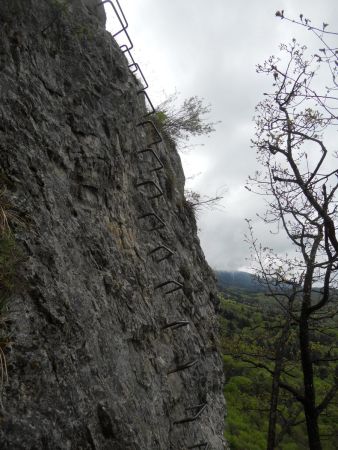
(61, 5)
(83, 32)
(249, 328)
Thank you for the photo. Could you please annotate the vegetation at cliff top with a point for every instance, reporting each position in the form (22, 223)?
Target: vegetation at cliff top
(178, 123)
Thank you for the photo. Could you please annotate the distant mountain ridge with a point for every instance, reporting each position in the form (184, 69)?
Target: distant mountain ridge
(241, 280)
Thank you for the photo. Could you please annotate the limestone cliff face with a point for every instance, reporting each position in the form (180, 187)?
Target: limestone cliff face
(90, 364)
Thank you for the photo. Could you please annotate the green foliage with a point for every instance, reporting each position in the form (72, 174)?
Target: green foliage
(82, 31)
(161, 118)
(61, 5)
(247, 388)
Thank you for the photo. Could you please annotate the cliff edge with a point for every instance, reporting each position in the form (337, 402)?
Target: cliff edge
(112, 329)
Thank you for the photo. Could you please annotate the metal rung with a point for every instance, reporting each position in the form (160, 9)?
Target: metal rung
(124, 25)
(203, 445)
(150, 122)
(157, 187)
(144, 79)
(176, 324)
(192, 418)
(159, 247)
(177, 283)
(134, 67)
(150, 150)
(183, 366)
(190, 408)
(149, 102)
(152, 214)
(124, 48)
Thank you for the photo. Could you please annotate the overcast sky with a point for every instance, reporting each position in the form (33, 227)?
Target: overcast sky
(210, 49)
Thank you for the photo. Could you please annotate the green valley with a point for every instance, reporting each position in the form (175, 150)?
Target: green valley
(250, 323)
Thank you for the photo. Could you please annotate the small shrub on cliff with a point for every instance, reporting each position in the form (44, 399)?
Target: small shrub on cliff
(61, 5)
(179, 123)
(198, 202)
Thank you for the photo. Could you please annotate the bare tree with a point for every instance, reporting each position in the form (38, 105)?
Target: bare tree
(299, 180)
(283, 290)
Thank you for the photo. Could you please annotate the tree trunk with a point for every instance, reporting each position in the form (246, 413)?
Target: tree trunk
(273, 405)
(311, 414)
(280, 352)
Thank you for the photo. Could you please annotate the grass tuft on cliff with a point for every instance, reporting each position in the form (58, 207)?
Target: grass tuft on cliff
(10, 258)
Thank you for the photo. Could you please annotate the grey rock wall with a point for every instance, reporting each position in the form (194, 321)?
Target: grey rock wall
(89, 363)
